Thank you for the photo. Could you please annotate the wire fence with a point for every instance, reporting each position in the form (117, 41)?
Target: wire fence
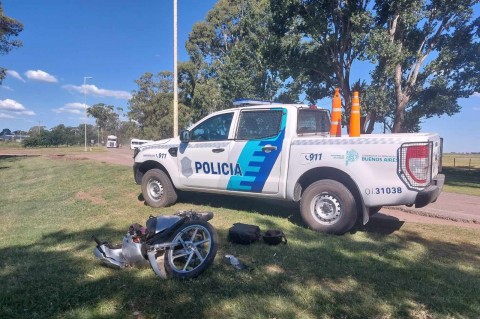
(461, 161)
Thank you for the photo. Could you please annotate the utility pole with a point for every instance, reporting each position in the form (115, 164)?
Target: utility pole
(85, 106)
(175, 73)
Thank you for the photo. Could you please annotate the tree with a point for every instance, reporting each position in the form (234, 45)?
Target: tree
(428, 55)
(232, 54)
(105, 116)
(5, 131)
(9, 28)
(321, 40)
(151, 106)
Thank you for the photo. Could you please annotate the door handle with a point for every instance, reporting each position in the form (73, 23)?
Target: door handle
(218, 150)
(268, 148)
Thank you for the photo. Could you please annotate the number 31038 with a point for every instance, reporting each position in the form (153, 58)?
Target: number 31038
(383, 190)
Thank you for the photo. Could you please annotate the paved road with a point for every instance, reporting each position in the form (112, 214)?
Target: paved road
(451, 206)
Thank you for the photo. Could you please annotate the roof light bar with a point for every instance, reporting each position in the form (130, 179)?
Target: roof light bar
(246, 102)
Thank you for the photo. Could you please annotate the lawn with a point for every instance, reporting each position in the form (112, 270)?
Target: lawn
(462, 173)
(51, 207)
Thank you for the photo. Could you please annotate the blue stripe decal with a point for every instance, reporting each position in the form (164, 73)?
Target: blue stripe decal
(256, 164)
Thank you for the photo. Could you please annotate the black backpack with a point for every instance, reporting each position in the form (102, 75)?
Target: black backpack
(244, 234)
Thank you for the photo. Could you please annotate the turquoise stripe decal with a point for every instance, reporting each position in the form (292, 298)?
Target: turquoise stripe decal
(256, 164)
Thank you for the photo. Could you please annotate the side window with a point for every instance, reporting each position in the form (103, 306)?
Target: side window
(213, 129)
(259, 124)
(313, 121)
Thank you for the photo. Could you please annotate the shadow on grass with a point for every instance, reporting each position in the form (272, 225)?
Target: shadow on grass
(263, 207)
(313, 276)
(462, 177)
(381, 224)
(8, 159)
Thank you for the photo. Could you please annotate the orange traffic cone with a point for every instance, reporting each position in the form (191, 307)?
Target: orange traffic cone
(354, 129)
(336, 125)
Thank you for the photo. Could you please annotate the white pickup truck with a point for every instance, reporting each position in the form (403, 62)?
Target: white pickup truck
(285, 152)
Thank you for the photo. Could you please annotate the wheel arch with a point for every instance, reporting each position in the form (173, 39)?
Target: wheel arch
(144, 167)
(335, 174)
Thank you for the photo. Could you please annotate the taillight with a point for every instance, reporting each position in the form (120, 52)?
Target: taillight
(415, 164)
(418, 160)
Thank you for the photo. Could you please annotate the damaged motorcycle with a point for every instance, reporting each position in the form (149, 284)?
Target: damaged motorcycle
(182, 245)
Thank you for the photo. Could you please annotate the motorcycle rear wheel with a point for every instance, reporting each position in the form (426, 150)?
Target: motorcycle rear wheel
(195, 251)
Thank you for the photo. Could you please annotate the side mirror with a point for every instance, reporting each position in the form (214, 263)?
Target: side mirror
(185, 136)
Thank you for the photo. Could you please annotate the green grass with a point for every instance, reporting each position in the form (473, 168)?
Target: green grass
(50, 209)
(462, 173)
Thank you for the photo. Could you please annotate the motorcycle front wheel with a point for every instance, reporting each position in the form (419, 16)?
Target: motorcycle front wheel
(195, 249)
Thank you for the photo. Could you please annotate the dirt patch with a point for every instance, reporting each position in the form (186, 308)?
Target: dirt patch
(67, 157)
(95, 199)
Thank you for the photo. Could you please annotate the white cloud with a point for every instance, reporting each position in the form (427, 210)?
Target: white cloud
(40, 75)
(6, 116)
(93, 90)
(13, 108)
(476, 94)
(11, 105)
(14, 74)
(476, 108)
(31, 113)
(76, 105)
(6, 87)
(72, 108)
(67, 110)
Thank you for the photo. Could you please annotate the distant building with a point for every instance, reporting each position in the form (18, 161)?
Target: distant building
(13, 137)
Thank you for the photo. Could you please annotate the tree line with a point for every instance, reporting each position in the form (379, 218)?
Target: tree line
(410, 60)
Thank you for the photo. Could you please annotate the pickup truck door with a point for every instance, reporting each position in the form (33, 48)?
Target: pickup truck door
(257, 150)
(203, 162)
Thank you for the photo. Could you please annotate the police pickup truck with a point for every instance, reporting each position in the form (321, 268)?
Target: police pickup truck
(285, 152)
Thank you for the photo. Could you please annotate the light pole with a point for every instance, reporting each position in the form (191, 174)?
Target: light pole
(175, 74)
(85, 106)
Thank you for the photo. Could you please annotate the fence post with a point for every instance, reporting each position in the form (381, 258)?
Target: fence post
(454, 162)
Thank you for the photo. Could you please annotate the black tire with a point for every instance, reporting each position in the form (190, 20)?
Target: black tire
(328, 206)
(195, 252)
(157, 189)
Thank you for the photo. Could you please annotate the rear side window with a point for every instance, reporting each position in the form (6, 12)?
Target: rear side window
(313, 121)
(259, 124)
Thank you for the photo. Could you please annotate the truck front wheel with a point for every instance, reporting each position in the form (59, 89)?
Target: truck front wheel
(157, 189)
(328, 206)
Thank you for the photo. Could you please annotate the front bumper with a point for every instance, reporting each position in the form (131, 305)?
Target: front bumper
(430, 194)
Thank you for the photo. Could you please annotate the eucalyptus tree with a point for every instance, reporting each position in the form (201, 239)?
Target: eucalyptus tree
(151, 106)
(232, 54)
(427, 56)
(105, 117)
(322, 39)
(9, 30)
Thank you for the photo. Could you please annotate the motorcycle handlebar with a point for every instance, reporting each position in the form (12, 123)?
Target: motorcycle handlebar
(99, 243)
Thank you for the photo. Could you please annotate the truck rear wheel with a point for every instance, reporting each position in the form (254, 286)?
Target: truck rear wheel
(157, 189)
(328, 206)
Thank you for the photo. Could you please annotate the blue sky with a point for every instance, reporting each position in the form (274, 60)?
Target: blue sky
(115, 42)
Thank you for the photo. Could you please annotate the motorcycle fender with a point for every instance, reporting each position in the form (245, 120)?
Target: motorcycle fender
(157, 263)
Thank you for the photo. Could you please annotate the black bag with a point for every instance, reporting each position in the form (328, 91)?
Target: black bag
(244, 234)
(274, 237)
